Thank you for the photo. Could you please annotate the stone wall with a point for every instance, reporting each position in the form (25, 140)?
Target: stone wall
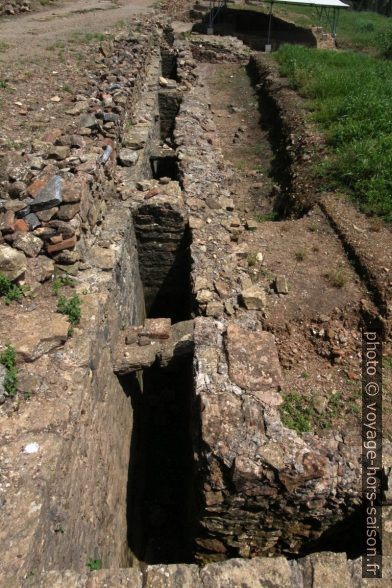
(73, 502)
(13, 7)
(263, 488)
(162, 240)
(54, 195)
(320, 570)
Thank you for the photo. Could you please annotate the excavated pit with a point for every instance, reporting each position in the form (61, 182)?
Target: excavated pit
(164, 166)
(168, 518)
(251, 28)
(160, 489)
(163, 248)
(168, 64)
(169, 101)
(265, 526)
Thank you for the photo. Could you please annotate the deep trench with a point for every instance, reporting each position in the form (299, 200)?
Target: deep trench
(164, 503)
(160, 507)
(161, 500)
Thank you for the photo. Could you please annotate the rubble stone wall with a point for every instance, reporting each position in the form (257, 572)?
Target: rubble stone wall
(264, 488)
(161, 235)
(74, 507)
(54, 195)
(319, 570)
(13, 7)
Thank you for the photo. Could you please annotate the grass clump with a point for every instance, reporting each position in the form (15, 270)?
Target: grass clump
(61, 281)
(388, 362)
(296, 413)
(87, 38)
(336, 278)
(252, 259)
(71, 307)
(300, 255)
(8, 360)
(266, 216)
(94, 564)
(9, 291)
(350, 96)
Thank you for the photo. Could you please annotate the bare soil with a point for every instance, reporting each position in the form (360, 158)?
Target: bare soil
(245, 134)
(31, 35)
(45, 59)
(317, 323)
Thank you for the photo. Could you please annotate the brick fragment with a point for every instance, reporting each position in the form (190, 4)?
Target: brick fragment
(65, 244)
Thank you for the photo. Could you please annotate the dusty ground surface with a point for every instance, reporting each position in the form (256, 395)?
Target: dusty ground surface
(30, 34)
(317, 322)
(246, 143)
(44, 60)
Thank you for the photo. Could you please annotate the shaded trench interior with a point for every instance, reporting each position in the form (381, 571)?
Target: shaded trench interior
(164, 502)
(251, 27)
(160, 496)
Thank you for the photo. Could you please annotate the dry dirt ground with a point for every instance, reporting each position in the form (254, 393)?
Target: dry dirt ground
(31, 34)
(45, 58)
(317, 323)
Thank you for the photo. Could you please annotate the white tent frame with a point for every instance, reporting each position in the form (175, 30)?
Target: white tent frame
(327, 10)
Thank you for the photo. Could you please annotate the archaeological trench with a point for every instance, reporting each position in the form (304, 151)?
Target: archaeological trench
(152, 440)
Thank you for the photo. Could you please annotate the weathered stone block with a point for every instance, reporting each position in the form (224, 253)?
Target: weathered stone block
(156, 328)
(12, 262)
(253, 359)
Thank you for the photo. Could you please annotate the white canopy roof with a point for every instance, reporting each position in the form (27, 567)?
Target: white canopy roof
(320, 3)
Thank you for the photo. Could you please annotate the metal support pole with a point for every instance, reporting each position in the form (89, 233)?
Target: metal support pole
(269, 25)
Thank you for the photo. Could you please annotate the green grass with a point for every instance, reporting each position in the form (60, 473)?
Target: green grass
(87, 38)
(61, 281)
(71, 308)
(8, 360)
(94, 564)
(266, 216)
(362, 31)
(350, 97)
(9, 291)
(297, 412)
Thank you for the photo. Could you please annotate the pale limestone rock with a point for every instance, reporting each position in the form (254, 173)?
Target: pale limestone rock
(35, 334)
(254, 298)
(12, 262)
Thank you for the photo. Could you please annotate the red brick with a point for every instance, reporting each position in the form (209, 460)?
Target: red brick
(66, 244)
(21, 225)
(35, 187)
